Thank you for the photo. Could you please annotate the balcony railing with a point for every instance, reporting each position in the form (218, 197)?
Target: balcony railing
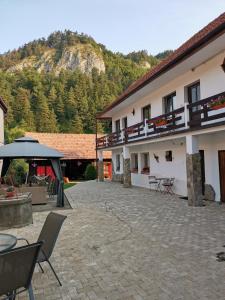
(201, 114)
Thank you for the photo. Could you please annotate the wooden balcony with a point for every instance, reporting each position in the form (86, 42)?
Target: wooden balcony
(199, 115)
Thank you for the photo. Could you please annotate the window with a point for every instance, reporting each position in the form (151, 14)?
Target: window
(117, 125)
(134, 162)
(146, 112)
(168, 103)
(118, 162)
(169, 156)
(124, 122)
(194, 92)
(145, 163)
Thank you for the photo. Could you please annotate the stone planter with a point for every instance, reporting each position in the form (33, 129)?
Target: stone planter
(16, 211)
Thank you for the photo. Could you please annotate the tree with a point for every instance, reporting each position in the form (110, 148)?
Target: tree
(77, 125)
(45, 118)
(22, 110)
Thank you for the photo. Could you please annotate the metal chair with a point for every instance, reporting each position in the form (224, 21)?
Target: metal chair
(49, 235)
(168, 185)
(155, 182)
(16, 270)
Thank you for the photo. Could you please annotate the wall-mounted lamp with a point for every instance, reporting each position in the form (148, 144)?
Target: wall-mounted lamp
(223, 65)
(133, 111)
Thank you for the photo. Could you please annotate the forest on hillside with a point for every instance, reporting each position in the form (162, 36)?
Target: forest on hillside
(69, 101)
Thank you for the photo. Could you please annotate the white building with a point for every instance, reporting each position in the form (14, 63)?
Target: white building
(171, 122)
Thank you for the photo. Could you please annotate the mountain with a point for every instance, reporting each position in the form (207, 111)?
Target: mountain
(58, 84)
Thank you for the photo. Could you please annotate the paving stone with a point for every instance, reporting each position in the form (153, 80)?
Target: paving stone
(133, 244)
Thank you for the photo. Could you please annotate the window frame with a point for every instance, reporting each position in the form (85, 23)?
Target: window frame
(165, 102)
(117, 124)
(149, 112)
(118, 167)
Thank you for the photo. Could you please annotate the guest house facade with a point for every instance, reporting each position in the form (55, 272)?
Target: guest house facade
(171, 122)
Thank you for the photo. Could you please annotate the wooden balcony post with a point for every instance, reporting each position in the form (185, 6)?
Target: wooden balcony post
(146, 127)
(186, 115)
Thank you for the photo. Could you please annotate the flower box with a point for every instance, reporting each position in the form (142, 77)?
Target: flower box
(134, 170)
(217, 103)
(145, 170)
(130, 130)
(218, 106)
(160, 122)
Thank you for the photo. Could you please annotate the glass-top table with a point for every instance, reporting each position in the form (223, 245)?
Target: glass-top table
(7, 241)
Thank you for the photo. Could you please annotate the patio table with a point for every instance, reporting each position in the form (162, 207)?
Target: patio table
(7, 241)
(160, 180)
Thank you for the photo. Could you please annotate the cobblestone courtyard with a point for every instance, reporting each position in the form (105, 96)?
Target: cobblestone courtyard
(133, 244)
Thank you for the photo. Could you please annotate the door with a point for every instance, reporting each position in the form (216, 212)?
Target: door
(194, 96)
(117, 126)
(124, 122)
(222, 174)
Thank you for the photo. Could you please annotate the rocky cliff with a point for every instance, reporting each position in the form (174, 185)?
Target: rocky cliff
(81, 56)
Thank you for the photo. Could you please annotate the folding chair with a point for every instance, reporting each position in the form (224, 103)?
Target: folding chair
(16, 270)
(49, 235)
(168, 185)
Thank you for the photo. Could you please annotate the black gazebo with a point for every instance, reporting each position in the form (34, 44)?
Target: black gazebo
(29, 148)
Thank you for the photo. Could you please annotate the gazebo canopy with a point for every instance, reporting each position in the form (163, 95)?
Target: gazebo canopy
(29, 148)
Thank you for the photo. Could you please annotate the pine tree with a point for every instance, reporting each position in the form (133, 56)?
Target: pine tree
(22, 112)
(46, 120)
(77, 125)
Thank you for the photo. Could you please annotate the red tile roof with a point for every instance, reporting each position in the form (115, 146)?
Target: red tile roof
(73, 146)
(197, 41)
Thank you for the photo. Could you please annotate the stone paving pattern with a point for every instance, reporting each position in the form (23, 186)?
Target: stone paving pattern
(131, 244)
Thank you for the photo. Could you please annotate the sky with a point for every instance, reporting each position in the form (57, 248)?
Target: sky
(121, 25)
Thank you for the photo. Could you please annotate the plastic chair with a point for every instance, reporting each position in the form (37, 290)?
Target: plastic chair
(49, 235)
(16, 270)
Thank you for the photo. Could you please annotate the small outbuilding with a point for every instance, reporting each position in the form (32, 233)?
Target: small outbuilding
(29, 148)
(78, 150)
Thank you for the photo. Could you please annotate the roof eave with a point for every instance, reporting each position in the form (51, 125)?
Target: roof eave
(190, 51)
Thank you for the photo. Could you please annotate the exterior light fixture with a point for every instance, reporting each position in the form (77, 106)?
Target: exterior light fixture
(223, 65)
(133, 111)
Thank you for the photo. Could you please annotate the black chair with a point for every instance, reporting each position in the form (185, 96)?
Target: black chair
(49, 235)
(16, 270)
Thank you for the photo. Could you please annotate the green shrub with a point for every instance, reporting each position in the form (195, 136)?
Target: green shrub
(90, 172)
(17, 172)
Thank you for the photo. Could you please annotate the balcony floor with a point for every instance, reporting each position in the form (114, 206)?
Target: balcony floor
(132, 244)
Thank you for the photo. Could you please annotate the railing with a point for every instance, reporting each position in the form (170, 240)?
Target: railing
(207, 111)
(203, 113)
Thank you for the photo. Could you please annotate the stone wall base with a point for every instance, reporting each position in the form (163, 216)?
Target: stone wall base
(194, 179)
(100, 170)
(117, 178)
(126, 173)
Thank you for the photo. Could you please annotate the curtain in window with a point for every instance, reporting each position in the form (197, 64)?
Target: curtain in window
(58, 173)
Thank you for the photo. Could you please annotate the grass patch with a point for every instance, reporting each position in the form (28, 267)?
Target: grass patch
(68, 185)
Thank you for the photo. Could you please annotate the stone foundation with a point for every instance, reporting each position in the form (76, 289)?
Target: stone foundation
(126, 173)
(117, 178)
(100, 170)
(16, 211)
(194, 179)
(210, 194)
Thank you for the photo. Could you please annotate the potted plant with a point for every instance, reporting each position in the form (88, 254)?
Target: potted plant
(10, 192)
(160, 122)
(145, 170)
(218, 103)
